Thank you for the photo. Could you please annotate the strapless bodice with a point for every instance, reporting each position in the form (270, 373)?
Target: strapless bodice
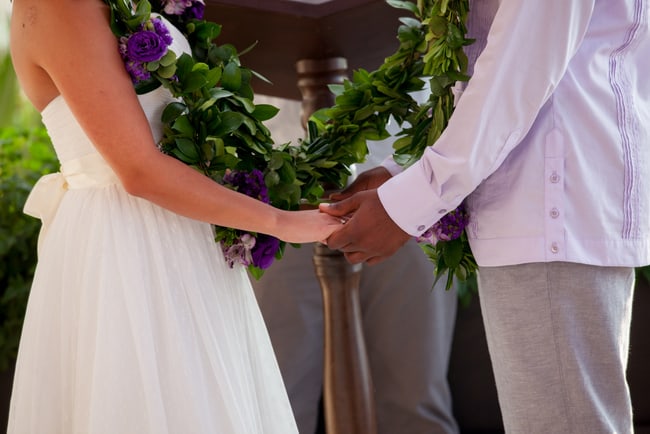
(69, 139)
(82, 166)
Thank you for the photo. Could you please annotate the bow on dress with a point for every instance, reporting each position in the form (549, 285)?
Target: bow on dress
(89, 171)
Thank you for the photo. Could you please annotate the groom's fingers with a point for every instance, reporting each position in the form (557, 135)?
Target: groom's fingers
(358, 257)
(340, 209)
(341, 240)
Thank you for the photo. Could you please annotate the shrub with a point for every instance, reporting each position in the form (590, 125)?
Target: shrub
(25, 154)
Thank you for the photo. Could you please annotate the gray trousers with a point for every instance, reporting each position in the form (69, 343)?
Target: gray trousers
(558, 336)
(408, 327)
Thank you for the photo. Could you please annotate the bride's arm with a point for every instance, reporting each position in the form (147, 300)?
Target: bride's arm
(71, 40)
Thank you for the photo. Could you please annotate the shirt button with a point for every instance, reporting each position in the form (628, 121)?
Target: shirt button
(554, 178)
(554, 248)
(555, 213)
(421, 228)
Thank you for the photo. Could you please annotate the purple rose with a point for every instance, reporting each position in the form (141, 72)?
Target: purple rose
(264, 251)
(145, 46)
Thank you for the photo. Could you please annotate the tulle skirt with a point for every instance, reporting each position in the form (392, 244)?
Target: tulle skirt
(135, 324)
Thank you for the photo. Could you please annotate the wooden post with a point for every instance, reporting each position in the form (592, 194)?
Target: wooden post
(347, 389)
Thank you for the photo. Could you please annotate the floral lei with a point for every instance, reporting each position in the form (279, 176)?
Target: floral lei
(214, 125)
(216, 128)
(430, 48)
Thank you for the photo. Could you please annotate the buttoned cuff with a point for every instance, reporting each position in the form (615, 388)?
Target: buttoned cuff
(410, 201)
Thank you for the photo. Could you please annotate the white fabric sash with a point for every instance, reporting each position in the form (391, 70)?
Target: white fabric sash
(89, 171)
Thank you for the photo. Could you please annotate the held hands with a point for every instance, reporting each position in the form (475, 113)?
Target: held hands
(306, 226)
(369, 234)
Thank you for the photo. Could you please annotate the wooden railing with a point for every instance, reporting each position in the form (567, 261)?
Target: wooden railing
(347, 384)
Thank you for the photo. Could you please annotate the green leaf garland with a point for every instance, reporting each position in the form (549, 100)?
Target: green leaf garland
(430, 49)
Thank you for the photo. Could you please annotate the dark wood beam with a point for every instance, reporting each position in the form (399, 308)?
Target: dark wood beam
(362, 31)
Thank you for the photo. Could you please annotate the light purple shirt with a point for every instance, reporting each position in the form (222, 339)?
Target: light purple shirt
(550, 141)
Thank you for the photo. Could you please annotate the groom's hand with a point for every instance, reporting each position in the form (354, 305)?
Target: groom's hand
(367, 180)
(369, 235)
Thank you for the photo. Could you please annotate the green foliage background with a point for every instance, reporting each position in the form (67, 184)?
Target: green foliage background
(25, 154)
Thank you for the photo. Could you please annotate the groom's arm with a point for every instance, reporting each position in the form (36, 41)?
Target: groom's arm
(513, 78)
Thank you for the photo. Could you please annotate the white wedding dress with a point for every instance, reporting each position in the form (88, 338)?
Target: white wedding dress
(135, 323)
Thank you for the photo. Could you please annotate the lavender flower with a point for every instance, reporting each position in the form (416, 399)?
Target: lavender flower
(240, 251)
(448, 228)
(264, 251)
(452, 225)
(175, 7)
(184, 8)
(161, 30)
(247, 249)
(248, 183)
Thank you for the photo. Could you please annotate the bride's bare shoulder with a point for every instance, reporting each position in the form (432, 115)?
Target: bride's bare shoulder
(42, 35)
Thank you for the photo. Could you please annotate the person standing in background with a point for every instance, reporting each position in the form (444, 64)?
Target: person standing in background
(408, 325)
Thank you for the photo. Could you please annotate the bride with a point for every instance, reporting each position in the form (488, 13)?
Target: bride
(135, 322)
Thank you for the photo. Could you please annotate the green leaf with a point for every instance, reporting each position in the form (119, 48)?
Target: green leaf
(399, 4)
(182, 125)
(173, 111)
(167, 71)
(452, 252)
(231, 78)
(276, 161)
(212, 77)
(194, 81)
(230, 121)
(264, 112)
(168, 59)
(188, 148)
(271, 179)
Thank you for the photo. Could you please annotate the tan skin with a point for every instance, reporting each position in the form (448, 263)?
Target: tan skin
(369, 235)
(65, 47)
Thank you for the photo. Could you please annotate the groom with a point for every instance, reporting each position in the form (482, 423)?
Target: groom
(548, 150)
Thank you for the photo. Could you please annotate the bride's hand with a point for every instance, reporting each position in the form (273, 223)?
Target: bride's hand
(306, 226)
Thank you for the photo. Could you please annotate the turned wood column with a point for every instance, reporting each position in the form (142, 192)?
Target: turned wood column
(347, 386)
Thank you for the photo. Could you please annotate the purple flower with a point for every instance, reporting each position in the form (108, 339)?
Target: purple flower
(452, 225)
(161, 30)
(175, 7)
(264, 251)
(248, 183)
(240, 251)
(137, 71)
(195, 11)
(185, 8)
(145, 46)
(448, 228)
